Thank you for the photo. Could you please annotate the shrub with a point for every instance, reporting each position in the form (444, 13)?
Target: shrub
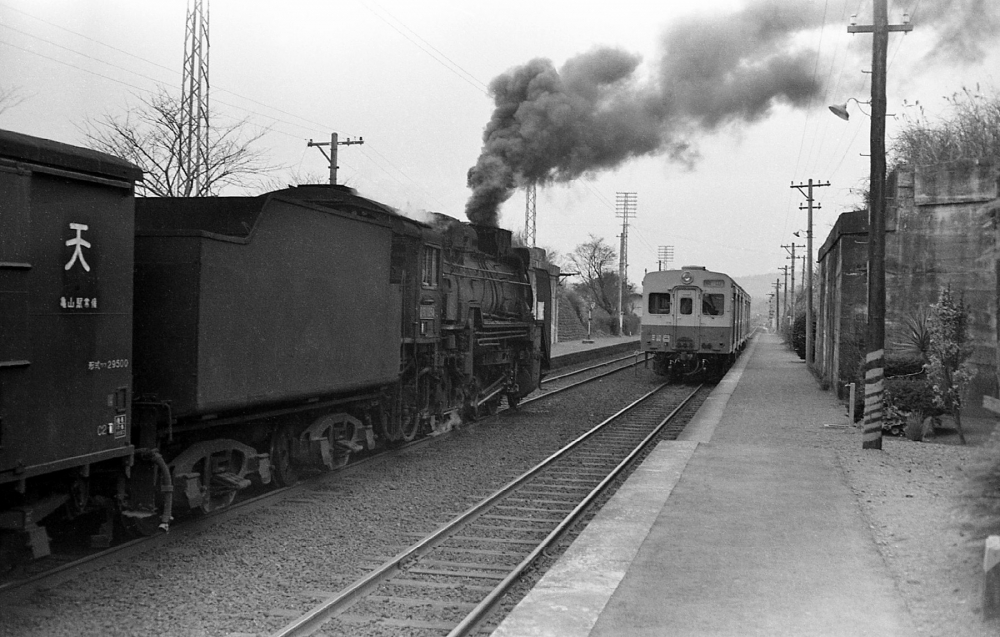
(799, 335)
(907, 402)
(903, 365)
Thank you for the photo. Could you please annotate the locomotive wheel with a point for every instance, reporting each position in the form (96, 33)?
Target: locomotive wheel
(283, 468)
(340, 455)
(338, 429)
(513, 400)
(219, 466)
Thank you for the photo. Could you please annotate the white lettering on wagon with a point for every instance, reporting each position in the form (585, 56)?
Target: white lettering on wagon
(77, 303)
(78, 243)
(116, 363)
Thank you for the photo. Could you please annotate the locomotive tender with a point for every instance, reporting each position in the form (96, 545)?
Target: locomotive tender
(161, 353)
(694, 321)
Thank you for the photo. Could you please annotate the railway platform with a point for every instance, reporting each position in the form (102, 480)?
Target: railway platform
(742, 526)
(572, 352)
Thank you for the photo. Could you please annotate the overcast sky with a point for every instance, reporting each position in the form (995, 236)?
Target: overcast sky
(709, 114)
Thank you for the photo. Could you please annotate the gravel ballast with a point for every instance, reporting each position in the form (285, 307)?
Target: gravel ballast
(929, 505)
(253, 574)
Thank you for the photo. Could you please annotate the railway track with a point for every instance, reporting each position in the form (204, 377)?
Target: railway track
(556, 384)
(450, 581)
(548, 380)
(65, 564)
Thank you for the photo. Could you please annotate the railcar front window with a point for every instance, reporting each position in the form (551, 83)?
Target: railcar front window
(687, 305)
(659, 303)
(713, 304)
(429, 276)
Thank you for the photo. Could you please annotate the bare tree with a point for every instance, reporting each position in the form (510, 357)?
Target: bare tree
(596, 261)
(149, 135)
(10, 96)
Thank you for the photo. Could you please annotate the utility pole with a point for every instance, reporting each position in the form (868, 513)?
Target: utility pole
(332, 157)
(875, 358)
(193, 138)
(785, 269)
(791, 250)
(529, 215)
(625, 207)
(666, 255)
(777, 304)
(809, 252)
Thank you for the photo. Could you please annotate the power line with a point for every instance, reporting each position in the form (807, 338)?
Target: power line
(146, 90)
(447, 62)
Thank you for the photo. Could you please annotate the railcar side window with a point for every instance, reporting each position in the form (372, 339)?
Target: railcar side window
(687, 304)
(659, 303)
(713, 304)
(429, 274)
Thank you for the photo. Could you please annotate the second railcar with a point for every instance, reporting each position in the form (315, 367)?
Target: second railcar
(695, 321)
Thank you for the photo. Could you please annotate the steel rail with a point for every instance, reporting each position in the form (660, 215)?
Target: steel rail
(587, 369)
(483, 609)
(557, 390)
(314, 619)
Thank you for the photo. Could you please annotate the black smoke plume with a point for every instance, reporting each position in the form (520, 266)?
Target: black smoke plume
(961, 27)
(594, 113)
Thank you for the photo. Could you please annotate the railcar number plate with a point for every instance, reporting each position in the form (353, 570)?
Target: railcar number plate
(116, 428)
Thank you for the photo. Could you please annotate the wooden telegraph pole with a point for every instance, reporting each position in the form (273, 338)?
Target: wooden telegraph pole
(875, 358)
(808, 192)
(332, 157)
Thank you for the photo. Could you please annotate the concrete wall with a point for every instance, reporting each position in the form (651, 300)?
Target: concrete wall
(941, 229)
(842, 300)
(945, 234)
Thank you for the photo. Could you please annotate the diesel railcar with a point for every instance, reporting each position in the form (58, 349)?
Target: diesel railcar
(694, 321)
(162, 354)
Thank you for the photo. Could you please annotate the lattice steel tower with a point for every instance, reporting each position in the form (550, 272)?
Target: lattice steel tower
(529, 215)
(194, 143)
(626, 204)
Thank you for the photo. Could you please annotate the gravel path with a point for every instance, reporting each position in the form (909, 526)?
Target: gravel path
(930, 506)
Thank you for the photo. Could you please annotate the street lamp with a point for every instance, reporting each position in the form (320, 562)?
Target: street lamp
(840, 110)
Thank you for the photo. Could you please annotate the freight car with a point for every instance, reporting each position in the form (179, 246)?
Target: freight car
(66, 228)
(694, 322)
(164, 353)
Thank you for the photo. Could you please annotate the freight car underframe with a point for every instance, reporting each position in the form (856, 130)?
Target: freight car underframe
(214, 456)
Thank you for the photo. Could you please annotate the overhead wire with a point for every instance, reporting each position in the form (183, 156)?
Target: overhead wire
(424, 45)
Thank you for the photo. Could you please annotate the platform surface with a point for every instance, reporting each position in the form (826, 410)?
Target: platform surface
(743, 526)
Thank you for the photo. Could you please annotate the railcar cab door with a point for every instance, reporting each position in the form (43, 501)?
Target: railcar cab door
(686, 318)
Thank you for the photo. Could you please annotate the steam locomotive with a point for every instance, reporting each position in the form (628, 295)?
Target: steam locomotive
(164, 353)
(694, 322)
